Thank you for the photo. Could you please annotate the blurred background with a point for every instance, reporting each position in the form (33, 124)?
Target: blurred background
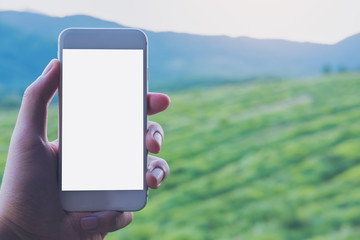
(263, 133)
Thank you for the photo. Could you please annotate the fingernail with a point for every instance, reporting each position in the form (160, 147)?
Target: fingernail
(158, 173)
(89, 223)
(158, 138)
(48, 67)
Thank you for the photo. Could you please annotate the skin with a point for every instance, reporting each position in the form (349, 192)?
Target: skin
(29, 201)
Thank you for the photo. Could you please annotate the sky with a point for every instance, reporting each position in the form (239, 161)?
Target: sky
(321, 21)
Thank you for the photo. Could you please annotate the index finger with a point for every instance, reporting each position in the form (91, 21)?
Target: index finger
(157, 102)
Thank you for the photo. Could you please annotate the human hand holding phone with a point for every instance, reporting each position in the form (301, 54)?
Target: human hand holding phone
(30, 206)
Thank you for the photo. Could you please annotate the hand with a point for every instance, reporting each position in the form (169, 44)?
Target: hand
(29, 202)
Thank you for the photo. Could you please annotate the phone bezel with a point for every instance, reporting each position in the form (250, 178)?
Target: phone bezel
(104, 38)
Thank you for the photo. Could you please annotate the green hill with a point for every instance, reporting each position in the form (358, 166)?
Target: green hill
(259, 160)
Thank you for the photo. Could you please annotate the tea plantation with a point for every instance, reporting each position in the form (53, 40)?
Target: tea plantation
(263, 160)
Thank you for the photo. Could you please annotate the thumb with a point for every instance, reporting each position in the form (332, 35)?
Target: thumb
(33, 112)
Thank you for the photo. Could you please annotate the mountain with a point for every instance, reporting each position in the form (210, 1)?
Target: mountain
(28, 41)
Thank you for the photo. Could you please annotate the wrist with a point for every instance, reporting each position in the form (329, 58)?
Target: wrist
(7, 231)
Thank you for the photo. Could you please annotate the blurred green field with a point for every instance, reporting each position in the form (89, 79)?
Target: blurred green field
(261, 160)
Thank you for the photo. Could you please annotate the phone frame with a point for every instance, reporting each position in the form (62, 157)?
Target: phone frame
(104, 38)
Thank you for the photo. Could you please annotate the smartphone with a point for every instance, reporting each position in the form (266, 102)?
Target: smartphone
(102, 119)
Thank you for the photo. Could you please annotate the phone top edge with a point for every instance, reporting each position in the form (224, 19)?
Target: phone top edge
(102, 38)
(87, 29)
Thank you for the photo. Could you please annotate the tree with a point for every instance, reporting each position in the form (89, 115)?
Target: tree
(327, 70)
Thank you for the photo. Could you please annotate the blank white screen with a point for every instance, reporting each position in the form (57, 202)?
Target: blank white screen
(102, 119)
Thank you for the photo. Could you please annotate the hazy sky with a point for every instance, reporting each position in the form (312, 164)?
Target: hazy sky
(324, 21)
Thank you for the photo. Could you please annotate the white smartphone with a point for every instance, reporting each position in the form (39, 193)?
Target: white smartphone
(102, 119)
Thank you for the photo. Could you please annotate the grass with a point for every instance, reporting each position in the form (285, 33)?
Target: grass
(257, 160)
